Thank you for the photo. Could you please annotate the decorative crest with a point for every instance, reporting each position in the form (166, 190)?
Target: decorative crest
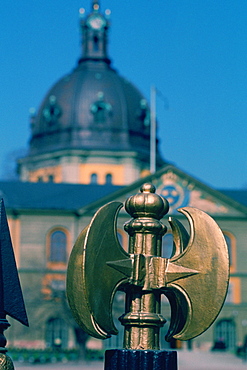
(195, 278)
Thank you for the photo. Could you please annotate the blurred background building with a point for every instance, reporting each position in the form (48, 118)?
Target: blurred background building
(90, 144)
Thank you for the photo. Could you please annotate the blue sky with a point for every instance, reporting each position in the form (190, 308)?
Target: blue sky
(194, 52)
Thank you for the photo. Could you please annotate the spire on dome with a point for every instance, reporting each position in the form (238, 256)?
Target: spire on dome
(94, 28)
(95, 5)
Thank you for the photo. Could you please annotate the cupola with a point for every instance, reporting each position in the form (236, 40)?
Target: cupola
(93, 124)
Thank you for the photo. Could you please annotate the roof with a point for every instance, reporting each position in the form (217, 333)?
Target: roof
(73, 197)
(239, 196)
(49, 196)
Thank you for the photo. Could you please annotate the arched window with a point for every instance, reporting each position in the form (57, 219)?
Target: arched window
(94, 178)
(108, 178)
(58, 247)
(225, 334)
(52, 112)
(100, 109)
(167, 245)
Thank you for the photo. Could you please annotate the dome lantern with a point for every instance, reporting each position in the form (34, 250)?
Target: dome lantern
(94, 30)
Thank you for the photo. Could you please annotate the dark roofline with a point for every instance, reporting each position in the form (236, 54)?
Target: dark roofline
(44, 197)
(20, 196)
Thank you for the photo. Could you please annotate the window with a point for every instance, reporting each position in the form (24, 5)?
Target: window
(94, 178)
(58, 246)
(225, 334)
(50, 178)
(108, 178)
(52, 111)
(100, 110)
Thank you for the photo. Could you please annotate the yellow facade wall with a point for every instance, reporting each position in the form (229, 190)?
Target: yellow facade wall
(85, 172)
(42, 174)
(236, 290)
(101, 170)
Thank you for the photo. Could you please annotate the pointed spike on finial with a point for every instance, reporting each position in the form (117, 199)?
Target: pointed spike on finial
(95, 5)
(148, 188)
(147, 203)
(11, 299)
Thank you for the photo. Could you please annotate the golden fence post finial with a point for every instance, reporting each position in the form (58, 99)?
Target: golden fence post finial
(194, 279)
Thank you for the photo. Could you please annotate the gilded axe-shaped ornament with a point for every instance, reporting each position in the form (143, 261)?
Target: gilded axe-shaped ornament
(194, 279)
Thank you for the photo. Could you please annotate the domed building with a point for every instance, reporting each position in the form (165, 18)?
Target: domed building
(93, 125)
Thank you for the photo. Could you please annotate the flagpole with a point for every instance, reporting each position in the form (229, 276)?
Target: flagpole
(153, 130)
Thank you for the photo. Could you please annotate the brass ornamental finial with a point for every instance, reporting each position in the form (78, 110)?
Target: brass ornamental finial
(147, 203)
(194, 278)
